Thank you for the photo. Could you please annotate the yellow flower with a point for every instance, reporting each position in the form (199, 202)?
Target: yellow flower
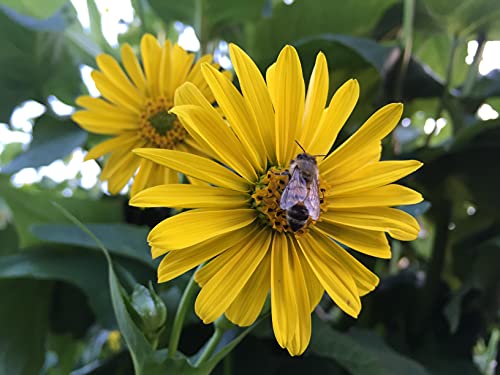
(134, 110)
(236, 223)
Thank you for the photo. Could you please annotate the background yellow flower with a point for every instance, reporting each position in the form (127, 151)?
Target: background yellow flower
(134, 110)
(237, 223)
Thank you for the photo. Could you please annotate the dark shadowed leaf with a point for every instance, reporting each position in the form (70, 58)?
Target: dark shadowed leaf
(83, 268)
(23, 326)
(121, 239)
(35, 207)
(361, 354)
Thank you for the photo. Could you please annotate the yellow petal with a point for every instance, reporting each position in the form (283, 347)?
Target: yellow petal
(196, 166)
(178, 262)
(256, 95)
(372, 132)
(124, 141)
(189, 196)
(195, 226)
(106, 109)
(182, 62)
(271, 83)
(117, 77)
(238, 115)
(302, 334)
(283, 306)
(338, 283)
(365, 241)
(195, 76)
(370, 155)
(247, 306)
(142, 177)
(133, 68)
(122, 175)
(95, 123)
(339, 110)
(375, 175)
(389, 195)
(400, 224)
(317, 92)
(165, 71)
(151, 55)
(365, 280)
(289, 105)
(117, 161)
(314, 288)
(209, 126)
(188, 93)
(221, 290)
(114, 94)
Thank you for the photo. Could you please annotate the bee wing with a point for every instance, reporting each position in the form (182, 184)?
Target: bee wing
(312, 201)
(295, 191)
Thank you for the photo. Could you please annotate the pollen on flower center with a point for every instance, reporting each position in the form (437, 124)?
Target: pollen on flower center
(161, 128)
(266, 199)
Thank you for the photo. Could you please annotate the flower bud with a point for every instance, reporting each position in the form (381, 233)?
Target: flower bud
(150, 309)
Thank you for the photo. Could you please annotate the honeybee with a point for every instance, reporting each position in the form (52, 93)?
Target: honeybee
(300, 198)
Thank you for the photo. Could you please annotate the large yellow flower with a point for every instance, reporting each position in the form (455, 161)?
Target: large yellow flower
(236, 223)
(134, 110)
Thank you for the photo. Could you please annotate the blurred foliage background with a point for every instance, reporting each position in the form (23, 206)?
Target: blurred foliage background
(436, 310)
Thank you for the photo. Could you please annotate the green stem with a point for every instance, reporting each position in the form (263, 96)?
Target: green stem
(200, 26)
(211, 346)
(185, 302)
(447, 84)
(408, 18)
(442, 213)
(473, 72)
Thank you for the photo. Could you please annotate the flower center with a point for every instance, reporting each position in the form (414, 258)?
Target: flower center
(266, 199)
(159, 127)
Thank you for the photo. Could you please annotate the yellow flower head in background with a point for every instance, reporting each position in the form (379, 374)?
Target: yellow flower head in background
(236, 224)
(135, 110)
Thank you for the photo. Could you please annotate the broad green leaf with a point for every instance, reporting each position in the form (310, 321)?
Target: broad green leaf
(360, 356)
(290, 23)
(23, 326)
(34, 65)
(434, 51)
(33, 8)
(465, 17)
(34, 207)
(83, 268)
(120, 239)
(487, 86)
(214, 11)
(52, 139)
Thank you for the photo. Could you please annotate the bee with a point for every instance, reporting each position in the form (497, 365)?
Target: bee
(300, 198)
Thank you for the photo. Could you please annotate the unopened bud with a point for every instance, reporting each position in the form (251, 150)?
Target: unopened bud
(150, 309)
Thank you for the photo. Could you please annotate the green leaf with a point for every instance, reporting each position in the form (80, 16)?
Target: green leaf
(310, 18)
(23, 326)
(33, 8)
(465, 17)
(33, 65)
(52, 139)
(363, 354)
(214, 11)
(83, 268)
(34, 207)
(119, 238)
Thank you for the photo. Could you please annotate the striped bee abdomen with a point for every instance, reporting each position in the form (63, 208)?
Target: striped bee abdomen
(297, 216)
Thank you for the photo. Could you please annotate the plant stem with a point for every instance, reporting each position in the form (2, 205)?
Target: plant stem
(473, 72)
(185, 302)
(211, 346)
(200, 27)
(447, 83)
(408, 17)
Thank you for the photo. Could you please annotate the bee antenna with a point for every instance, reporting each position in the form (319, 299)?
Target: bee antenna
(302, 148)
